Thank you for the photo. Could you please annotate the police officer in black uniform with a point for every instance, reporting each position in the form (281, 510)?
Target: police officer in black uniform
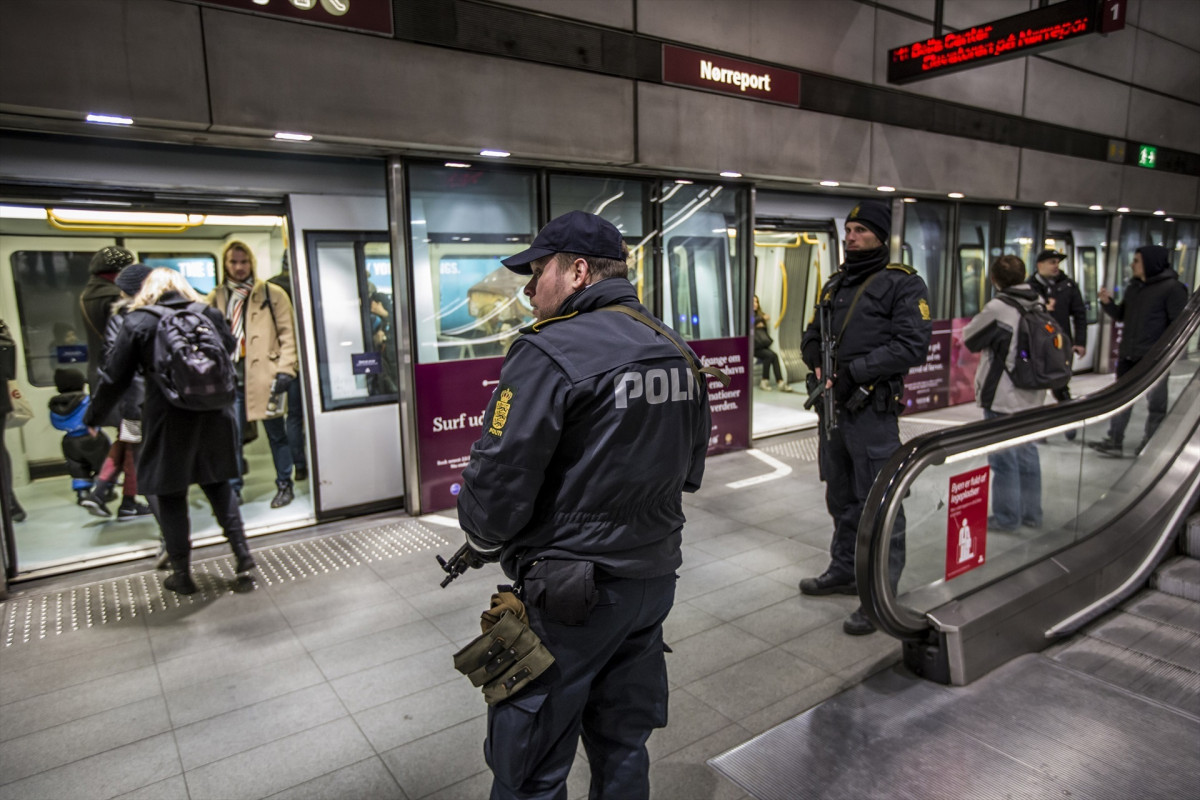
(881, 328)
(599, 423)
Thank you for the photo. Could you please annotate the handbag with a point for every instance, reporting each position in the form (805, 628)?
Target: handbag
(21, 412)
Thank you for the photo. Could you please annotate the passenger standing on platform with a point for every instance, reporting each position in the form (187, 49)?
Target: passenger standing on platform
(1065, 303)
(597, 426)
(295, 402)
(260, 316)
(179, 447)
(8, 372)
(881, 328)
(1016, 470)
(1153, 300)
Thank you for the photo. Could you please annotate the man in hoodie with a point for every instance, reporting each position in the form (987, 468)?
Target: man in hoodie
(1153, 300)
(1065, 303)
(1016, 471)
(260, 316)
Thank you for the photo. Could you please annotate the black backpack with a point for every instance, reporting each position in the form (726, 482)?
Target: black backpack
(191, 364)
(1044, 354)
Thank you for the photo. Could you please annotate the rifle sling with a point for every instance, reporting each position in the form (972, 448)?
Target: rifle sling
(696, 371)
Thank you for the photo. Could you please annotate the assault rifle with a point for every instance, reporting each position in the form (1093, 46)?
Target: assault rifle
(822, 390)
(459, 563)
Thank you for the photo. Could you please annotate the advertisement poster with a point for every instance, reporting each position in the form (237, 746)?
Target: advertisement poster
(963, 364)
(927, 386)
(966, 522)
(730, 405)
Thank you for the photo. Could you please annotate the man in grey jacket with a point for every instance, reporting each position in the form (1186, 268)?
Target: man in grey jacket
(1016, 471)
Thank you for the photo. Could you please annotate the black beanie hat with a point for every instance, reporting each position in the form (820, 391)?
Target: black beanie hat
(68, 379)
(110, 259)
(1155, 259)
(130, 279)
(876, 215)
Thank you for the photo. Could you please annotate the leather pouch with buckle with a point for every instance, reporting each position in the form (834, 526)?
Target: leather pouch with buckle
(504, 659)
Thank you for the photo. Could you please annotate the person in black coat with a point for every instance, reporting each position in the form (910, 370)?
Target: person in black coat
(1153, 300)
(96, 302)
(179, 447)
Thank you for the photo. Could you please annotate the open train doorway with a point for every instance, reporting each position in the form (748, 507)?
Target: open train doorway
(46, 251)
(793, 261)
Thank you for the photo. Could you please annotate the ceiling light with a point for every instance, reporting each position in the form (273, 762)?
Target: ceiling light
(683, 181)
(1123, 210)
(910, 199)
(22, 212)
(1160, 213)
(1005, 208)
(294, 137)
(256, 221)
(885, 188)
(956, 195)
(1051, 204)
(830, 183)
(1170, 219)
(728, 174)
(495, 153)
(109, 119)
(457, 165)
(1095, 208)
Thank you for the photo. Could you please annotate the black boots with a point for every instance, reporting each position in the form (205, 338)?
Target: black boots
(284, 495)
(180, 580)
(241, 551)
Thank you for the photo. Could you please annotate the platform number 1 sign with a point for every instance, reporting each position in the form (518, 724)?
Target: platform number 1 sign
(966, 524)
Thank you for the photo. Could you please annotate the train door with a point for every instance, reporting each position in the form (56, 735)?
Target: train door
(793, 260)
(1083, 238)
(344, 274)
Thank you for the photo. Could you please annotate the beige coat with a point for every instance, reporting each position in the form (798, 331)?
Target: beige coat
(270, 342)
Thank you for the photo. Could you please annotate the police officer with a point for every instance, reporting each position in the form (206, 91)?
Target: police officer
(597, 426)
(881, 328)
(1065, 303)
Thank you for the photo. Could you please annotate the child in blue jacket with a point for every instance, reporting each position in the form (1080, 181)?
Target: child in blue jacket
(83, 449)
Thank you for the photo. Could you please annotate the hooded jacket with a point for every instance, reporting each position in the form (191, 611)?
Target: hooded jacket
(596, 428)
(994, 331)
(1149, 305)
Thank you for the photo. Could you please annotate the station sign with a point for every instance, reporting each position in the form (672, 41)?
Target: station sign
(1019, 35)
(374, 16)
(716, 73)
(1147, 156)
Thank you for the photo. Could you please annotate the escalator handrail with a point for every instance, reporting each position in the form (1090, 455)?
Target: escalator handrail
(913, 457)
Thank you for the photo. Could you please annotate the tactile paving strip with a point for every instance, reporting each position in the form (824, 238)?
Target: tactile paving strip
(804, 446)
(38, 617)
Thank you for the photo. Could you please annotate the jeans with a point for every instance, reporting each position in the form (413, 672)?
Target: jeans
(295, 424)
(277, 437)
(1016, 484)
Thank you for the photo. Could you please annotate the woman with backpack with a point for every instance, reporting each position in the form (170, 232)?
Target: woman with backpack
(180, 446)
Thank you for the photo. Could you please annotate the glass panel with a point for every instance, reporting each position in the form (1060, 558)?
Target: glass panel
(1020, 234)
(1187, 239)
(1135, 232)
(974, 236)
(467, 304)
(1089, 269)
(352, 304)
(926, 245)
(624, 203)
(200, 269)
(704, 271)
(1055, 492)
(48, 284)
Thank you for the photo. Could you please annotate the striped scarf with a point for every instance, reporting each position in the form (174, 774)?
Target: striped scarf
(235, 309)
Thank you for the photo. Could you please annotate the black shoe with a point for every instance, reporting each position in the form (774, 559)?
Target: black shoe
(94, 504)
(180, 580)
(301, 474)
(18, 513)
(1108, 447)
(857, 624)
(828, 583)
(283, 496)
(132, 509)
(1071, 435)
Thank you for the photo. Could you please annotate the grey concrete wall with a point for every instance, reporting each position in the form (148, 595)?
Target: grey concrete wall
(929, 162)
(612, 13)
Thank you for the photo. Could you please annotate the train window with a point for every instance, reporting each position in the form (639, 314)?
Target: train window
(1020, 235)
(48, 284)
(468, 305)
(354, 318)
(624, 203)
(200, 269)
(703, 267)
(1089, 280)
(927, 239)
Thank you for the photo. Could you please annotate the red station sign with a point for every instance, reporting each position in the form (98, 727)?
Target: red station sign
(1011, 37)
(684, 67)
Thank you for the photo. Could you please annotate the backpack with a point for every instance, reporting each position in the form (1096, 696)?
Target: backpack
(1044, 355)
(191, 364)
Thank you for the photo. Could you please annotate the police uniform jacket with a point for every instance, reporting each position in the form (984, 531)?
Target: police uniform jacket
(890, 329)
(596, 428)
(1149, 307)
(1068, 304)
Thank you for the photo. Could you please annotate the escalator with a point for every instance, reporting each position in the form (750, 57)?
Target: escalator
(1061, 660)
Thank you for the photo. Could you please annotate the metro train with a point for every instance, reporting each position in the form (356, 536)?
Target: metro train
(404, 311)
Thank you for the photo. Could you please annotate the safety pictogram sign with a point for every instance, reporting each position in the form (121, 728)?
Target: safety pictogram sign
(966, 523)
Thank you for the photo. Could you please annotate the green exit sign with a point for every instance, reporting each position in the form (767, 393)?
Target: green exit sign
(1147, 156)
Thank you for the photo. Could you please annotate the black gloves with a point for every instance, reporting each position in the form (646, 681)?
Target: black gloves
(843, 386)
(281, 383)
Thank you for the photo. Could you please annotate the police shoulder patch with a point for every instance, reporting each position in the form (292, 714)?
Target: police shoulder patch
(504, 398)
(923, 306)
(905, 268)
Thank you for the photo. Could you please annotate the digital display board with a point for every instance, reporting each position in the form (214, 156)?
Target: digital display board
(1011, 37)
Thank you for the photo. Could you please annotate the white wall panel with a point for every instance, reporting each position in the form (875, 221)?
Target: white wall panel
(1149, 190)
(1067, 180)
(921, 161)
(1154, 119)
(691, 130)
(1166, 66)
(613, 13)
(1065, 96)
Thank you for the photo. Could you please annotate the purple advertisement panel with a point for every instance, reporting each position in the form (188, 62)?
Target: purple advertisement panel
(926, 386)
(730, 405)
(453, 398)
(963, 364)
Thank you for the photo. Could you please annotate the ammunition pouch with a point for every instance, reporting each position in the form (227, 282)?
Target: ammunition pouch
(505, 659)
(889, 396)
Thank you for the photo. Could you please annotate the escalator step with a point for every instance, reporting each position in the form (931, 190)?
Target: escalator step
(1191, 536)
(1171, 684)
(1179, 576)
(1166, 608)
